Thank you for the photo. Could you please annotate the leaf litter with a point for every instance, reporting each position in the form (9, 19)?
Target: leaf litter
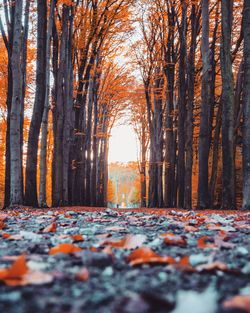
(116, 261)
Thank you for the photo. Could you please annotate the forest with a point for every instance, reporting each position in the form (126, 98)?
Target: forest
(179, 71)
(81, 231)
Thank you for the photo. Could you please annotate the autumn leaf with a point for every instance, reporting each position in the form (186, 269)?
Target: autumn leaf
(65, 248)
(50, 228)
(18, 274)
(202, 243)
(238, 302)
(172, 239)
(17, 269)
(214, 266)
(145, 255)
(82, 275)
(77, 238)
(128, 242)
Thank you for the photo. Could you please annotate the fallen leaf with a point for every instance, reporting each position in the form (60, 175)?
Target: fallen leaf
(16, 270)
(50, 228)
(2, 225)
(77, 238)
(128, 242)
(238, 302)
(202, 243)
(18, 274)
(145, 255)
(214, 266)
(82, 275)
(65, 248)
(172, 239)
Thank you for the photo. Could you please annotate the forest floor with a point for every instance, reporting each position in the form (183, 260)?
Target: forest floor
(124, 261)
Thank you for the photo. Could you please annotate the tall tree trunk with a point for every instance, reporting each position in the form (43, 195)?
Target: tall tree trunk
(36, 120)
(16, 196)
(8, 40)
(182, 106)
(246, 107)
(204, 136)
(59, 114)
(44, 127)
(190, 105)
(170, 152)
(228, 172)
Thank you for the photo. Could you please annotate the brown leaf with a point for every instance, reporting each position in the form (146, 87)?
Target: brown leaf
(82, 275)
(145, 255)
(18, 274)
(238, 302)
(77, 238)
(214, 266)
(202, 243)
(172, 239)
(128, 242)
(50, 228)
(65, 248)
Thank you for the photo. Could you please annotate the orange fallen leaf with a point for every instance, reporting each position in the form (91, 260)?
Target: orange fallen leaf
(18, 274)
(238, 302)
(2, 225)
(82, 275)
(202, 243)
(65, 248)
(16, 270)
(77, 238)
(50, 228)
(145, 255)
(172, 239)
(190, 229)
(214, 266)
(128, 242)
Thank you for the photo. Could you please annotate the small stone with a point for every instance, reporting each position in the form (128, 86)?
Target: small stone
(241, 251)
(108, 271)
(13, 296)
(163, 276)
(196, 259)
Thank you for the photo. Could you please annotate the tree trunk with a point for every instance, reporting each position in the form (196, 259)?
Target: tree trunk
(36, 120)
(189, 116)
(204, 136)
(228, 172)
(44, 130)
(16, 196)
(246, 107)
(182, 107)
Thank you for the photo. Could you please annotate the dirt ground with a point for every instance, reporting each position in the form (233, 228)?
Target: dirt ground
(76, 260)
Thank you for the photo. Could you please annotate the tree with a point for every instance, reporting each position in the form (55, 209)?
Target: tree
(203, 191)
(16, 188)
(246, 107)
(36, 120)
(228, 188)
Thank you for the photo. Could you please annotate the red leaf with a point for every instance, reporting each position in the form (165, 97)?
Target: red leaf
(82, 275)
(50, 228)
(172, 239)
(238, 302)
(65, 248)
(145, 255)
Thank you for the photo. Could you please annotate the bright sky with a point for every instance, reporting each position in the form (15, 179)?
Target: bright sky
(123, 144)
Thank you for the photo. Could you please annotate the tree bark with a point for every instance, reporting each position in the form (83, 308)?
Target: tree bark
(44, 127)
(36, 120)
(16, 196)
(204, 136)
(228, 172)
(246, 107)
